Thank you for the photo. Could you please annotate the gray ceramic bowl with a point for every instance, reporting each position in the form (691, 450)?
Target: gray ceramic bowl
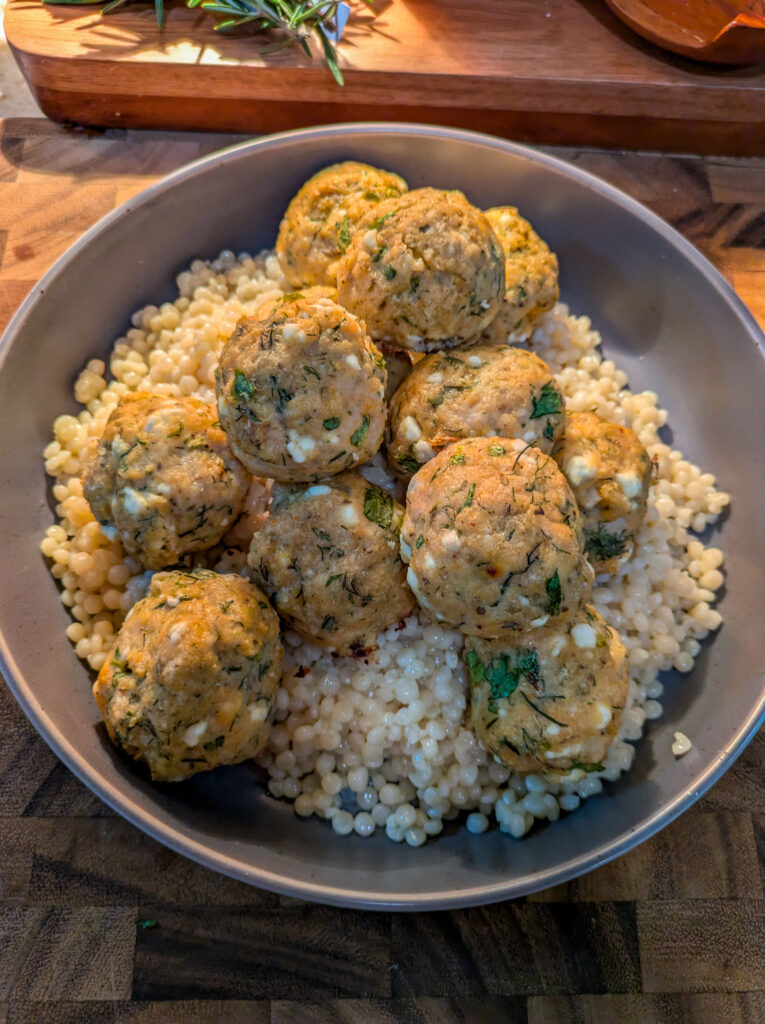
(668, 318)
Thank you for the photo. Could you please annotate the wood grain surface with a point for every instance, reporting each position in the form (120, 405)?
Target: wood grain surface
(671, 933)
(555, 71)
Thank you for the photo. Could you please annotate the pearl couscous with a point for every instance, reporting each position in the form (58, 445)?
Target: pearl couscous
(383, 742)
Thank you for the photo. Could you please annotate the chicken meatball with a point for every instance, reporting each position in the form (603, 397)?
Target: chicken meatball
(163, 480)
(609, 472)
(531, 274)
(550, 699)
(424, 271)
(477, 392)
(192, 677)
(493, 538)
(301, 391)
(328, 556)
(317, 227)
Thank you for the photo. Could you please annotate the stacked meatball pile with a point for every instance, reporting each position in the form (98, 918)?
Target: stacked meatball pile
(396, 335)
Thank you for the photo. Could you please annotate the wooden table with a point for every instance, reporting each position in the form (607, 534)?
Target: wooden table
(672, 932)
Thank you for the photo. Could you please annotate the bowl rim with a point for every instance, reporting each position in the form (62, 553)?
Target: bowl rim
(172, 836)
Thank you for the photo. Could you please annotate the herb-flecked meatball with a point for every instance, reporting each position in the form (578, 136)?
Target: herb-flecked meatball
(493, 538)
(320, 219)
(550, 699)
(424, 271)
(609, 472)
(164, 481)
(301, 391)
(531, 274)
(191, 680)
(328, 555)
(481, 391)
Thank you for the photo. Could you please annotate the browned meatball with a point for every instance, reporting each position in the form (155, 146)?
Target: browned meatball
(550, 699)
(531, 274)
(609, 472)
(482, 391)
(164, 481)
(317, 227)
(493, 538)
(424, 271)
(301, 391)
(328, 555)
(191, 680)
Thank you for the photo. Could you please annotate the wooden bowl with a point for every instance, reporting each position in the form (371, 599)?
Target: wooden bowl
(716, 31)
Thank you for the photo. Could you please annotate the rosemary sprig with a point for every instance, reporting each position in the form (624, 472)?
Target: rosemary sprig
(297, 20)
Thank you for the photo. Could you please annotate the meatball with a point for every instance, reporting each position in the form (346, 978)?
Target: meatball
(425, 271)
(531, 274)
(552, 698)
(320, 219)
(328, 556)
(301, 391)
(163, 480)
(609, 472)
(476, 392)
(493, 538)
(191, 680)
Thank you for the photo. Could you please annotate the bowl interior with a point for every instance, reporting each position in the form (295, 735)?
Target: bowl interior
(666, 318)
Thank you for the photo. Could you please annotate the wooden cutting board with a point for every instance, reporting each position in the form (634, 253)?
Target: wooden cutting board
(562, 71)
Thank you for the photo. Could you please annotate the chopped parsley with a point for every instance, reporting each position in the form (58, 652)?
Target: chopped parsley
(332, 423)
(470, 495)
(549, 402)
(496, 449)
(554, 594)
(379, 254)
(243, 386)
(601, 544)
(378, 507)
(414, 283)
(457, 460)
(419, 542)
(344, 232)
(215, 744)
(502, 674)
(357, 437)
(381, 220)
(389, 272)
(408, 463)
(583, 767)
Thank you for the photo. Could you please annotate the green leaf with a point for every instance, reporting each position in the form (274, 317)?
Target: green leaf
(378, 507)
(496, 449)
(243, 386)
(470, 495)
(344, 233)
(554, 594)
(357, 437)
(419, 542)
(582, 766)
(332, 423)
(408, 463)
(602, 544)
(502, 673)
(549, 402)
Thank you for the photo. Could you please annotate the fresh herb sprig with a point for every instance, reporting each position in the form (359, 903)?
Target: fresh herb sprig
(298, 20)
